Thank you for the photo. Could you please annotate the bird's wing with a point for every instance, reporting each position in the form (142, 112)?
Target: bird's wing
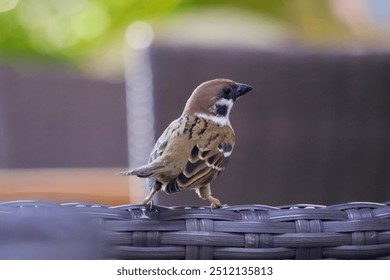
(154, 166)
(207, 159)
(160, 145)
(157, 151)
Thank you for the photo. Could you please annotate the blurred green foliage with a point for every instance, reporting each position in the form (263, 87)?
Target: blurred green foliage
(58, 29)
(68, 30)
(71, 30)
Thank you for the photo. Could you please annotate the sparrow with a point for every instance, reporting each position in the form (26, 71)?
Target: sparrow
(195, 148)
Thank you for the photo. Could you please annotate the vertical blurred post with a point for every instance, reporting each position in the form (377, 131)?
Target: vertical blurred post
(139, 94)
(3, 136)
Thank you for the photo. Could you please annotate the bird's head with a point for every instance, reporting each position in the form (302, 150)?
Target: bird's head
(215, 98)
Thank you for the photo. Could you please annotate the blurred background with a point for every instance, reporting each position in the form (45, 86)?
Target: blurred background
(86, 87)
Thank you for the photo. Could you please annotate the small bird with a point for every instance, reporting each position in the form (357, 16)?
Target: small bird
(196, 147)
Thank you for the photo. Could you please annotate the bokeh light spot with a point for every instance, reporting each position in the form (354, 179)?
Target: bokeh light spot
(90, 22)
(139, 35)
(7, 5)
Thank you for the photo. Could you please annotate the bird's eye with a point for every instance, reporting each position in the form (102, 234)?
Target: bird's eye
(226, 91)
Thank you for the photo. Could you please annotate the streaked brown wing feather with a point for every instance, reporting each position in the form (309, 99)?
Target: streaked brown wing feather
(206, 160)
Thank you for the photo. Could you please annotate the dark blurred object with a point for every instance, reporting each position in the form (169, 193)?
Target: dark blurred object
(33, 230)
(316, 128)
(56, 118)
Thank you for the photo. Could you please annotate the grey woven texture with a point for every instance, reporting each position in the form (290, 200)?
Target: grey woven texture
(344, 231)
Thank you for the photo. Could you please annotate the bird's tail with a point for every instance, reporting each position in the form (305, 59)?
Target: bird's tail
(146, 171)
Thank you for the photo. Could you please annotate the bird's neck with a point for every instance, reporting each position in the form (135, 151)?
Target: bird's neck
(219, 120)
(219, 114)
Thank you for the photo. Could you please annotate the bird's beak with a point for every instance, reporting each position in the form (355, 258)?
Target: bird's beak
(242, 89)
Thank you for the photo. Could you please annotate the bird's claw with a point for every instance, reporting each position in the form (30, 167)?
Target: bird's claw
(216, 206)
(148, 202)
(215, 203)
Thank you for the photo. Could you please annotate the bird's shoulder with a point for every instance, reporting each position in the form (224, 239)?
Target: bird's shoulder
(205, 134)
(187, 132)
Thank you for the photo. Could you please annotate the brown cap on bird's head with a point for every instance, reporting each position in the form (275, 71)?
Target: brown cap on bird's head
(205, 97)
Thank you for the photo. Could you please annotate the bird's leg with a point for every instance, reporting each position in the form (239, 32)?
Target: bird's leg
(153, 191)
(204, 192)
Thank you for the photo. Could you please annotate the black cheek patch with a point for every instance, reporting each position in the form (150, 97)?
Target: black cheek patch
(221, 110)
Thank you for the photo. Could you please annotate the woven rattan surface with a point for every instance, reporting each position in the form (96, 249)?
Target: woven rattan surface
(343, 231)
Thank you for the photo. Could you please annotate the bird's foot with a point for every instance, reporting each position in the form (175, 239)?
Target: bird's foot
(215, 203)
(216, 206)
(148, 202)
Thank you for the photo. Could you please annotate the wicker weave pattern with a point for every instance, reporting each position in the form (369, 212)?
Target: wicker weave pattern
(344, 231)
